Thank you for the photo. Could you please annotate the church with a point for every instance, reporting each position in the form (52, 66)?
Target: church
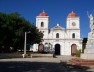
(63, 41)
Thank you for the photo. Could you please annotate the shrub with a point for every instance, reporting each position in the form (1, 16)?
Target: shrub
(78, 53)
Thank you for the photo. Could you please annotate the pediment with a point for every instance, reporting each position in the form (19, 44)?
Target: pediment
(58, 28)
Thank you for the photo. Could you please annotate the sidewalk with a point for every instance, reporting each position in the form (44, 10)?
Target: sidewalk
(58, 59)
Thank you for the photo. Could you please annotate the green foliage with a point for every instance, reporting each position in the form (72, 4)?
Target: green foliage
(12, 29)
(73, 54)
(78, 53)
(84, 44)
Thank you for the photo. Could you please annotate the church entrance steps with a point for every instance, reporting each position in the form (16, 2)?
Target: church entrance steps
(82, 62)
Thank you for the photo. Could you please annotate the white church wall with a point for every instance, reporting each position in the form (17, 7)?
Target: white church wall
(66, 35)
(77, 34)
(67, 50)
(42, 19)
(50, 35)
(61, 34)
(45, 34)
(70, 21)
(62, 49)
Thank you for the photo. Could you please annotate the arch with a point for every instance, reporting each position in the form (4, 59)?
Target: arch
(42, 24)
(57, 35)
(73, 35)
(41, 48)
(57, 49)
(73, 49)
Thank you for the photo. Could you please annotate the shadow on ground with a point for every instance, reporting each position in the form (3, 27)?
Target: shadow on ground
(10, 55)
(24, 66)
(74, 68)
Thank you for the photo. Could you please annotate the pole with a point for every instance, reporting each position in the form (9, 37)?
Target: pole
(24, 46)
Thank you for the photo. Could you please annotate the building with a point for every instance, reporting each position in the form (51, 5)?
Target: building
(62, 41)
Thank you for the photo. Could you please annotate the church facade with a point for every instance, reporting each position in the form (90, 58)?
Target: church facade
(62, 41)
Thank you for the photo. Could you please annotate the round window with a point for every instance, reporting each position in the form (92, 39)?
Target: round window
(73, 24)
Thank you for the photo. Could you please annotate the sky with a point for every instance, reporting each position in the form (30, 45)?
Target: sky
(57, 10)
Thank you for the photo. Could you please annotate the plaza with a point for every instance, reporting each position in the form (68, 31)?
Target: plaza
(41, 65)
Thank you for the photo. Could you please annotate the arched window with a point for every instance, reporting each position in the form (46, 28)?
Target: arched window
(42, 24)
(73, 35)
(57, 35)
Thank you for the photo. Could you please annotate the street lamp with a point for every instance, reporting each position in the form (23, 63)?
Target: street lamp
(24, 55)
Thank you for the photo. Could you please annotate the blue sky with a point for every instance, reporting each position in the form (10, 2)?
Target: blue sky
(56, 9)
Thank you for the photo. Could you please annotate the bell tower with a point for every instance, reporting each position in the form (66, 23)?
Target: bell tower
(42, 23)
(73, 25)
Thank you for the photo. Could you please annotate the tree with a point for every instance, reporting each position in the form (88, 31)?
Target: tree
(12, 29)
(84, 44)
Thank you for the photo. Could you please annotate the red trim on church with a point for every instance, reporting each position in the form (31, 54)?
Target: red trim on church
(72, 14)
(43, 14)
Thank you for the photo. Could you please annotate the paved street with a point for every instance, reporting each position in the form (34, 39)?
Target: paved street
(29, 67)
(38, 65)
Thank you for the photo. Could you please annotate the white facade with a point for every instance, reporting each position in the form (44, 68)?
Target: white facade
(60, 39)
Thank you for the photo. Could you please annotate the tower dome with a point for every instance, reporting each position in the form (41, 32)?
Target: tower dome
(43, 14)
(72, 14)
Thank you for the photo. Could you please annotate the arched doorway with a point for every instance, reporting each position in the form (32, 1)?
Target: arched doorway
(41, 48)
(73, 49)
(57, 49)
